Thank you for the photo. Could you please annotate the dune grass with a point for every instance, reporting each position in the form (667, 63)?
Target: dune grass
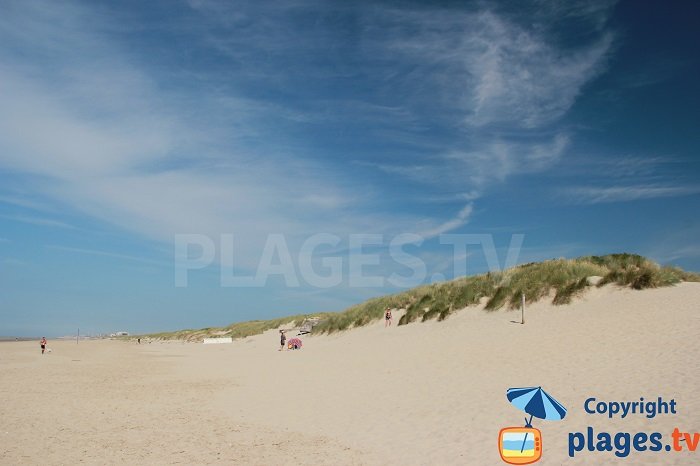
(237, 330)
(564, 278)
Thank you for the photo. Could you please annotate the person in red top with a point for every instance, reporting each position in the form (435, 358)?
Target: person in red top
(43, 344)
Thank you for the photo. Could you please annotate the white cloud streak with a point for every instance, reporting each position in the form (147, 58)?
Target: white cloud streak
(459, 220)
(39, 221)
(91, 129)
(96, 252)
(597, 195)
(102, 140)
(493, 70)
(508, 87)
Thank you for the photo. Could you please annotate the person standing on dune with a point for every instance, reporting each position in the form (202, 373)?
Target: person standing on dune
(387, 317)
(43, 344)
(283, 339)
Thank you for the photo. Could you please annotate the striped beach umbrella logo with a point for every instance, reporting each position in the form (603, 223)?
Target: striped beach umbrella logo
(536, 402)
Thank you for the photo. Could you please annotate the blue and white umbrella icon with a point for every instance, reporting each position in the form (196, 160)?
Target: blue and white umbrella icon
(535, 402)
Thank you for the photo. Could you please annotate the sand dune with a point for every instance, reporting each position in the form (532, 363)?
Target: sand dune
(430, 393)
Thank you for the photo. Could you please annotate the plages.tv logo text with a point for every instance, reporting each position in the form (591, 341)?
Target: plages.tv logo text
(623, 443)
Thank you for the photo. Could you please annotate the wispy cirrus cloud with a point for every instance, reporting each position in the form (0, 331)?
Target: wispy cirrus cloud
(625, 178)
(504, 88)
(478, 168)
(597, 195)
(39, 221)
(26, 202)
(594, 13)
(679, 252)
(12, 262)
(642, 168)
(500, 159)
(489, 68)
(163, 148)
(118, 147)
(110, 254)
(459, 220)
(678, 244)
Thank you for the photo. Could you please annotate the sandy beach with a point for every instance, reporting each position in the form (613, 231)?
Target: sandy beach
(430, 393)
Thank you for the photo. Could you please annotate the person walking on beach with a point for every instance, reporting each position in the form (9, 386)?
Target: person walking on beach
(387, 317)
(283, 339)
(43, 344)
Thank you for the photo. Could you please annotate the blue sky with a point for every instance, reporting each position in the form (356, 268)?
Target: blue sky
(123, 124)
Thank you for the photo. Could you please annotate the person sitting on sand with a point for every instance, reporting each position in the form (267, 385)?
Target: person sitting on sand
(43, 344)
(283, 339)
(387, 317)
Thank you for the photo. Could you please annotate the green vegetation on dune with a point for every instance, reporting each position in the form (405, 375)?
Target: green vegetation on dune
(237, 330)
(565, 278)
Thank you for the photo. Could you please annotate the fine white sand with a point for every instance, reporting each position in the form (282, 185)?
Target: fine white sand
(430, 393)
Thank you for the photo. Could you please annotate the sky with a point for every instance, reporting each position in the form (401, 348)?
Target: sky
(155, 154)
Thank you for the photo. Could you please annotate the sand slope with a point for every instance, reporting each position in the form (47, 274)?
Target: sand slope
(429, 393)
